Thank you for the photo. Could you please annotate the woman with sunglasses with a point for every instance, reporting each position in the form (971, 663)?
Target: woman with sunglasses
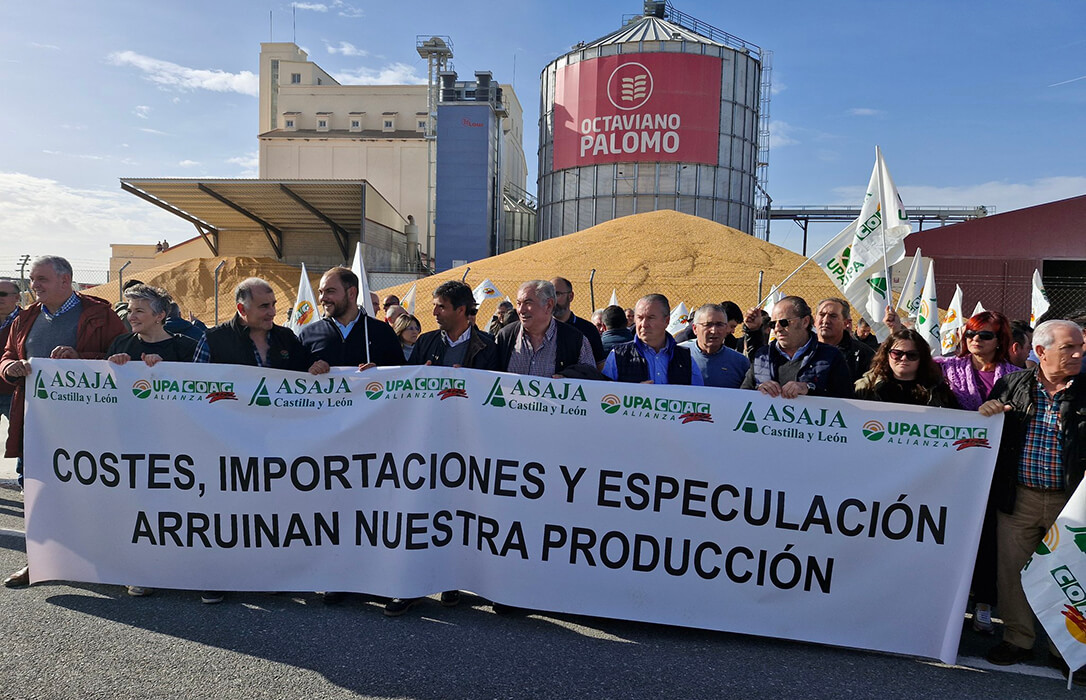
(983, 357)
(902, 371)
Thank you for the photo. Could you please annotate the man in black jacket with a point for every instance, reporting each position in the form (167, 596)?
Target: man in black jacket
(1042, 458)
(457, 343)
(252, 337)
(538, 344)
(346, 336)
(563, 298)
(832, 321)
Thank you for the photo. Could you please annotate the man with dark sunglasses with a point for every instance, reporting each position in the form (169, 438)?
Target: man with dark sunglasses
(9, 310)
(795, 363)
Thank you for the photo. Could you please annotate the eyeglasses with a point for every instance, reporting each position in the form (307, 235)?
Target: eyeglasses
(782, 322)
(983, 335)
(910, 355)
(712, 324)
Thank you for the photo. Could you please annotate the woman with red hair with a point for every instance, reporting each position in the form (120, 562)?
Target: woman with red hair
(983, 357)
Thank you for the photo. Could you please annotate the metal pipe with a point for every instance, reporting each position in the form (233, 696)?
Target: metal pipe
(466, 273)
(217, 269)
(761, 275)
(120, 281)
(592, 289)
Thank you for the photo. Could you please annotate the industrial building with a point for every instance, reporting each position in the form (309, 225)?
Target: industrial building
(666, 112)
(341, 164)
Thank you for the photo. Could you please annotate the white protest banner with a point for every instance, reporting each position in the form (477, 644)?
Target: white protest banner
(1052, 580)
(486, 290)
(718, 509)
(912, 290)
(950, 330)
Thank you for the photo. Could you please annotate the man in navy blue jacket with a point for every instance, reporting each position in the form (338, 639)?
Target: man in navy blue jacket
(346, 336)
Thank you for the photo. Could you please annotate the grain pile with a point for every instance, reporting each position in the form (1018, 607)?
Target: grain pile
(192, 284)
(686, 258)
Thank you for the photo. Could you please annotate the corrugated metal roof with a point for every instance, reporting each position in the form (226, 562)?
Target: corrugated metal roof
(652, 29)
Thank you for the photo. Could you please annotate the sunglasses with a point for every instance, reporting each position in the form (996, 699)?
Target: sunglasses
(9, 294)
(782, 322)
(910, 355)
(983, 335)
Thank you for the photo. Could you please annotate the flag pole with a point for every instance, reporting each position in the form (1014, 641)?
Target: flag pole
(885, 263)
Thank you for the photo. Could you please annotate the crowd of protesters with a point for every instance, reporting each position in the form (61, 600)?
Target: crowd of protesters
(1033, 376)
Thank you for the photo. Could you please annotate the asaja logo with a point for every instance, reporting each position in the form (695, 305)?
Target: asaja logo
(142, 389)
(630, 86)
(73, 385)
(39, 388)
(303, 312)
(303, 392)
(790, 421)
(537, 394)
(374, 391)
(611, 404)
(874, 430)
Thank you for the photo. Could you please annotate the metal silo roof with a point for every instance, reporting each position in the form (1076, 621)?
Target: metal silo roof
(652, 29)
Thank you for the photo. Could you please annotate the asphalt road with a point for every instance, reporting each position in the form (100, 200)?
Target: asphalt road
(89, 641)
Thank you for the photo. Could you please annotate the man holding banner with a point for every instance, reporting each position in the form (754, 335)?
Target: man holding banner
(1042, 458)
(346, 336)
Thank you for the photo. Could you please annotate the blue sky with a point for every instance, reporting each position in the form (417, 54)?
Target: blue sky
(971, 103)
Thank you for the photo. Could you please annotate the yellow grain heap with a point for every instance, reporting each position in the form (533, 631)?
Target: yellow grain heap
(191, 283)
(686, 258)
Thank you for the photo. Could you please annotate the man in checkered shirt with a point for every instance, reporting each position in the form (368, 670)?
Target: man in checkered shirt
(1042, 458)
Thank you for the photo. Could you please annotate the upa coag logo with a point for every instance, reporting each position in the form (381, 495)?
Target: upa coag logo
(537, 394)
(933, 435)
(423, 387)
(166, 389)
(303, 392)
(1073, 591)
(75, 386)
(874, 430)
(793, 422)
(657, 408)
(611, 404)
(630, 86)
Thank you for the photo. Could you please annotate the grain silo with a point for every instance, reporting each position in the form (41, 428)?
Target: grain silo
(661, 114)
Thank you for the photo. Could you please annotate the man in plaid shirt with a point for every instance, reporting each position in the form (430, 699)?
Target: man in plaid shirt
(1042, 458)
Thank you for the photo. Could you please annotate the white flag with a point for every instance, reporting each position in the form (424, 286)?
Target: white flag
(614, 298)
(913, 288)
(1040, 302)
(978, 309)
(834, 256)
(775, 295)
(408, 301)
(680, 317)
(1051, 580)
(304, 311)
(359, 268)
(950, 332)
(927, 317)
(486, 290)
(881, 228)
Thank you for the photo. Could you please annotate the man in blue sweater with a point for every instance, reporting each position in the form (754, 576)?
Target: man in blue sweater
(720, 365)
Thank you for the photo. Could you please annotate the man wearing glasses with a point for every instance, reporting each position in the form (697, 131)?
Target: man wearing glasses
(720, 365)
(795, 363)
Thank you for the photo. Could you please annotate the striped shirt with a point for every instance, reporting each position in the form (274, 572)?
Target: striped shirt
(1041, 465)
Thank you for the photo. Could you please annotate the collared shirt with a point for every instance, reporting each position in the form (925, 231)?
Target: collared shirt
(464, 337)
(1041, 465)
(71, 303)
(540, 362)
(203, 352)
(346, 330)
(10, 318)
(797, 353)
(658, 362)
(725, 368)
